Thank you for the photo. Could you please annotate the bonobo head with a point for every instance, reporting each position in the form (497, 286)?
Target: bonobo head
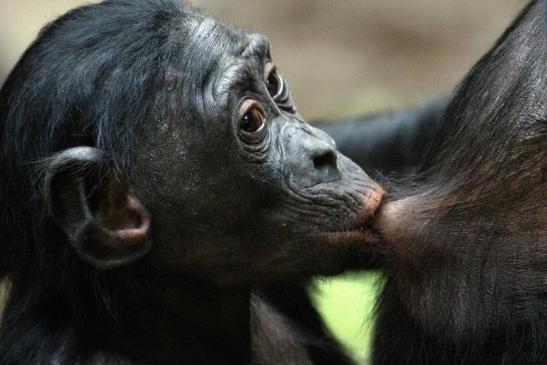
(146, 132)
(467, 240)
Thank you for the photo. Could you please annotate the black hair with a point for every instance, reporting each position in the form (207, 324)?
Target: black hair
(89, 79)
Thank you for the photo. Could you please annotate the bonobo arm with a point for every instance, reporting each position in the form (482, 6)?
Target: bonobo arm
(391, 142)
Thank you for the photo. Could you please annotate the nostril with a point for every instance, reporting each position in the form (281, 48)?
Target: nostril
(325, 160)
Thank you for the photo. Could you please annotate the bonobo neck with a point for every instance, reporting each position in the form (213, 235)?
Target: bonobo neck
(140, 315)
(174, 318)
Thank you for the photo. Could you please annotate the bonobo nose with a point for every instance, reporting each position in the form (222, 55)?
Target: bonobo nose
(312, 155)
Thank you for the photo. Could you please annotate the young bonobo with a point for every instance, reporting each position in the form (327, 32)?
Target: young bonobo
(466, 245)
(154, 171)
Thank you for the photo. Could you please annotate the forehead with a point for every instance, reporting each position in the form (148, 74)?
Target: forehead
(212, 44)
(209, 32)
(208, 58)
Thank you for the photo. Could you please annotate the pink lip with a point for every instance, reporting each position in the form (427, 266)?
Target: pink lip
(371, 205)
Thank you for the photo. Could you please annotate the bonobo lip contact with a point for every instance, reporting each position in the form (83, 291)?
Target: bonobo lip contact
(371, 205)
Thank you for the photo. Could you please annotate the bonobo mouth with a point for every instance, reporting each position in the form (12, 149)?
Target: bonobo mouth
(371, 205)
(362, 226)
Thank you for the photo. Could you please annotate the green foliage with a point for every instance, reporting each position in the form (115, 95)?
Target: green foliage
(347, 304)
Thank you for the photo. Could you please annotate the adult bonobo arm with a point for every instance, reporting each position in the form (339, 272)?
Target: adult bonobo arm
(391, 142)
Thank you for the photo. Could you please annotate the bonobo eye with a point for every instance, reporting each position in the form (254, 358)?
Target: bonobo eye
(277, 88)
(251, 116)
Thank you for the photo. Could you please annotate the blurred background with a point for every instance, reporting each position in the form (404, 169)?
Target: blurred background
(340, 58)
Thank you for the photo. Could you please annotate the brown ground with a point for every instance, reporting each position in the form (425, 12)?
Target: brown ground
(340, 57)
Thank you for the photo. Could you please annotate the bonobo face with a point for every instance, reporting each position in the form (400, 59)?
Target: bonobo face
(238, 185)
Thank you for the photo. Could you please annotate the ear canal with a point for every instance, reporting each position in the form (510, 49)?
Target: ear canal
(95, 207)
(132, 222)
(116, 236)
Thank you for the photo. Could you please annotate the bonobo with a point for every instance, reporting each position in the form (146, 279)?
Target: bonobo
(466, 252)
(154, 171)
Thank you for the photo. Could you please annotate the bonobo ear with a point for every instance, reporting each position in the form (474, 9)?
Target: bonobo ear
(95, 207)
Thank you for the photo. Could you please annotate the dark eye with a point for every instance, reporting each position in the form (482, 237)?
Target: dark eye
(251, 116)
(278, 90)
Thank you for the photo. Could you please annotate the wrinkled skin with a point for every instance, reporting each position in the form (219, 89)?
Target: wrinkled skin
(288, 185)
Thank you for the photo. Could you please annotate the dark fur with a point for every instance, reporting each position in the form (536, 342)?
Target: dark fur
(108, 120)
(467, 239)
